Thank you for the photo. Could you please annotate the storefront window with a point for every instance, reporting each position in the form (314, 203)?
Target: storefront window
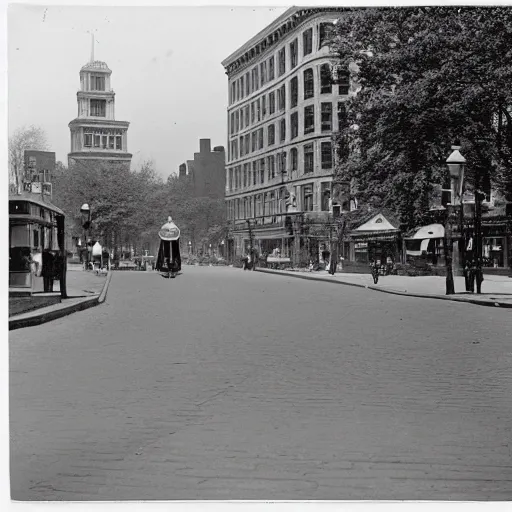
(493, 252)
(361, 252)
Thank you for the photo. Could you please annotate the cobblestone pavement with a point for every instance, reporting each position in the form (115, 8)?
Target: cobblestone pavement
(224, 384)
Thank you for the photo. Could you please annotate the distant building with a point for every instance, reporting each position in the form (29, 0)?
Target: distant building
(95, 134)
(207, 171)
(39, 168)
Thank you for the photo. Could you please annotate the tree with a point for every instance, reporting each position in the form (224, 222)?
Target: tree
(428, 77)
(23, 139)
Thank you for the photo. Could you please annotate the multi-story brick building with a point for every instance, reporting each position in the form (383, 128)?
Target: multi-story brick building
(284, 108)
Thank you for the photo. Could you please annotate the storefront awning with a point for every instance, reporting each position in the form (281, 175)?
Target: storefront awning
(387, 235)
(422, 248)
(427, 232)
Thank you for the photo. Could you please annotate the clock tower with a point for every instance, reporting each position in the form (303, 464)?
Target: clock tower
(96, 136)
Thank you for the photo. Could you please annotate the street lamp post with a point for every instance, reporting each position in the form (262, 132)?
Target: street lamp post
(456, 163)
(251, 247)
(85, 212)
(189, 248)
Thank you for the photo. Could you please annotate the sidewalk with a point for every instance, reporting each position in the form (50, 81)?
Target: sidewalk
(496, 290)
(84, 289)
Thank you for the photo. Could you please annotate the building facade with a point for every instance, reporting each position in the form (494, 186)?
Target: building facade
(96, 137)
(206, 171)
(286, 101)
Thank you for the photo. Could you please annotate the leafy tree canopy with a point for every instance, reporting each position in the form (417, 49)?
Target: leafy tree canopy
(428, 77)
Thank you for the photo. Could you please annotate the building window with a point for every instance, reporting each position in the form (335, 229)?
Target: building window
(342, 116)
(325, 191)
(308, 158)
(294, 122)
(271, 167)
(326, 117)
(307, 42)
(97, 141)
(260, 138)
(237, 121)
(307, 198)
(293, 53)
(254, 172)
(119, 142)
(232, 123)
(254, 136)
(283, 130)
(230, 180)
(252, 112)
(262, 170)
(342, 78)
(258, 111)
(88, 140)
(272, 102)
(309, 119)
(255, 79)
(325, 79)
(242, 87)
(247, 143)
(294, 91)
(242, 152)
(247, 113)
(309, 85)
(282, 61)
(258, 205)
(271, 134)
(98, 108)
(281, 97)
(97, 83)
(294, 157)
(232, 92)
(241, 114)
(326, 150)
(271, 68)
(263, 73)
(247, 84)
(263, 106)
(245, 174)
(325, 33)
(237, 90)
(111, 142)
(282, 163)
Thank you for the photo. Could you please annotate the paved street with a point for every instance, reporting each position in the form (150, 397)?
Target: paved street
(224, 384)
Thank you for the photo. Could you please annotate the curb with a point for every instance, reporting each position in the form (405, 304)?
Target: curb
(477, 302)
(42, 318)
(103, 294)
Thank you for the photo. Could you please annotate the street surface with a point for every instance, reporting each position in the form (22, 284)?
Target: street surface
(223, 384)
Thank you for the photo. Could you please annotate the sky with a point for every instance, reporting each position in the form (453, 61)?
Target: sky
(166, 72)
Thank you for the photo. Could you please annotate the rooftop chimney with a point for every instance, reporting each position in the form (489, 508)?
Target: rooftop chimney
(205, 145)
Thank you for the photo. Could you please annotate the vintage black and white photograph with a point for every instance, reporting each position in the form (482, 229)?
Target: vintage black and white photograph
(260, 252)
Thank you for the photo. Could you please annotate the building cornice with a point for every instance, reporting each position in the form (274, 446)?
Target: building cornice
(88, 121)
(271, 35)
(95, 94)
(99, 155)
